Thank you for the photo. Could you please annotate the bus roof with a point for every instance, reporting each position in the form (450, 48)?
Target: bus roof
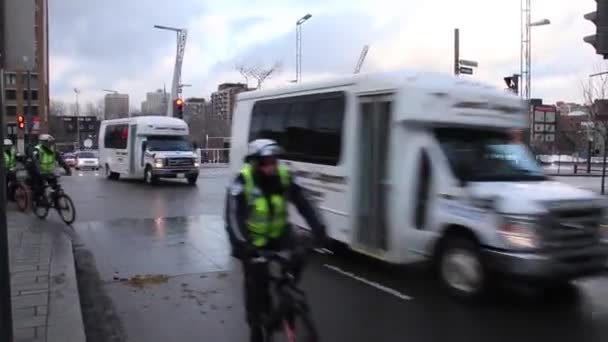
(377, 82)
(149, 120)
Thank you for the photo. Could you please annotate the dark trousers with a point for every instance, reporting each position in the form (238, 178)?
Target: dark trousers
(258, 302)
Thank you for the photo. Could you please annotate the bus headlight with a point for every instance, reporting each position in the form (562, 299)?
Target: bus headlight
(519, 232)
(196, 163)
(159, 162)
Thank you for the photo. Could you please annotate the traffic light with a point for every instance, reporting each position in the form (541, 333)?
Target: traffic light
(513, 83)
(599, 40)
(179, 108)
(21, 122)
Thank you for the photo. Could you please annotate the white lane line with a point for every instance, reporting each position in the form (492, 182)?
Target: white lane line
(369, 282)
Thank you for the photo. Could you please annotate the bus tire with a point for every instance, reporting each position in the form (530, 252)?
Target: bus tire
(111, 175)
(148, 177)
(461, 269)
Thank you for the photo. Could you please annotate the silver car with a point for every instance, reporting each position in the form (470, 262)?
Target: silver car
(87, 160)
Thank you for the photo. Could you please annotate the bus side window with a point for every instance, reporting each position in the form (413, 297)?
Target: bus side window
(257, 122)
(422, 194)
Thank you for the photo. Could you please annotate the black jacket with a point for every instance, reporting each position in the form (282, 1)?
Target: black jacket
(237, 211)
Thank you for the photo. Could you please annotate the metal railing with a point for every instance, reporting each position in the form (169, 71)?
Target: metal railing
(214, 156)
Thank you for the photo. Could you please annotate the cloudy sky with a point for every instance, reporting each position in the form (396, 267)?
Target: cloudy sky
(111, 44)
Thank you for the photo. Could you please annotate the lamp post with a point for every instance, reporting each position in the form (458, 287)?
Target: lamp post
(526, 47)
(299, 46)
(77, 92)
(176, 86)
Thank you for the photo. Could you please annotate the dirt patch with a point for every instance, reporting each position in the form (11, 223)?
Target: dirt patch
(140, 281)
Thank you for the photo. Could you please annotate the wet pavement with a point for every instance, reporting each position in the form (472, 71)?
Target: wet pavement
(163, 260)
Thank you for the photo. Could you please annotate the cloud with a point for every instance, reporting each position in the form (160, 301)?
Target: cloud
(111, 44)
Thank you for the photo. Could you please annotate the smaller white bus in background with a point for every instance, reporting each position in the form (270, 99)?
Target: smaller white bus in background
(408, 166)
(148, 148)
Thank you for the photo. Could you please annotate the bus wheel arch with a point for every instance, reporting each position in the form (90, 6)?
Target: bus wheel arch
(459, 263)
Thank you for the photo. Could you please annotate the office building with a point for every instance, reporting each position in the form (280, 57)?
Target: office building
(22, 97)
(155, 103)
(223, 100)
(116, 106)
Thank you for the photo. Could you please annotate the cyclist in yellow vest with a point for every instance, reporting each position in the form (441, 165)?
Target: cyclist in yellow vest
(10, 165)
(46, 159)
(257, 218)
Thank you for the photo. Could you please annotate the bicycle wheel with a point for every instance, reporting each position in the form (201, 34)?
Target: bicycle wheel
(22, 197)
(65, 208)
(40, 207)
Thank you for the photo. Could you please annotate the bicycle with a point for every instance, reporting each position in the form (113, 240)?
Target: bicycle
(54, 197)
(291, 304)
(16, 189)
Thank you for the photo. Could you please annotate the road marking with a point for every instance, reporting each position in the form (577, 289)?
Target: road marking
(369, 282)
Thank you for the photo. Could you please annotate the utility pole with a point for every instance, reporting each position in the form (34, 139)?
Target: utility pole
(77, 92)
(28, 112)
(6, 317)
(456, 52)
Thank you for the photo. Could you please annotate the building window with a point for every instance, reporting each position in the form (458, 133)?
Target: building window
(11, 94)
(11, 79)
(11, 111)
(34, 95)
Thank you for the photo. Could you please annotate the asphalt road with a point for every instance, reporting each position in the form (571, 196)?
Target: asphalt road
(173, 236)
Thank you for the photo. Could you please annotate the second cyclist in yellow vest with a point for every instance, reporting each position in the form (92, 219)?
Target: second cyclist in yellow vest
(46, 158)
(10, 166)
(257, 218)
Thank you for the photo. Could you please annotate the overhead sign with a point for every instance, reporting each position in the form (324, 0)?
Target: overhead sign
(469, 63)
(466, 71)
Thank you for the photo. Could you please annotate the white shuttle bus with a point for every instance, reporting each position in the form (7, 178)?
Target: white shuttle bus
(148, 148)
(408, 166)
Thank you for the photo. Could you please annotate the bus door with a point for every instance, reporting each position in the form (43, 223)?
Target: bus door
(373, 167)
(133, 150)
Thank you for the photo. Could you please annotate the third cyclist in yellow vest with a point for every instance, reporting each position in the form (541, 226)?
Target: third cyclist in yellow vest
(46, 158)
(257, 218)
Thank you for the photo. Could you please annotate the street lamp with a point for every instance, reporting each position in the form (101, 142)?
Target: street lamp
(77, 92)
(526, 53)
(299, 46)
(176, 86)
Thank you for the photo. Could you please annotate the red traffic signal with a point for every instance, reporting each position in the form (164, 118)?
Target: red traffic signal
(179, 103)
(21, 122)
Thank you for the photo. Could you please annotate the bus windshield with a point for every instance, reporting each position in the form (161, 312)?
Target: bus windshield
(476, 155)
(169, 143)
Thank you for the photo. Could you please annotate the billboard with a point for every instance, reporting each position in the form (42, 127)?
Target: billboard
(544, 123)
(20, 36)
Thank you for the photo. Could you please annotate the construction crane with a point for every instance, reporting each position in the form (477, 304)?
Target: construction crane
(361, 59)
(176, 86)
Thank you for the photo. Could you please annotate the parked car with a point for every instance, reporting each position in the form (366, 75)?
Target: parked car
(70, 159)
(87, 160)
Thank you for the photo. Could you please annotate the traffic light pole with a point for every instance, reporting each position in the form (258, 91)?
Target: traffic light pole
(6, 317)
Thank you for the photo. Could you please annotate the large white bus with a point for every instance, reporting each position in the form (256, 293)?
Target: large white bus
(148, 148)
(407, 166)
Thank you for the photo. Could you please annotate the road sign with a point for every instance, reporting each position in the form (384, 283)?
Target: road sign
(469, 63)
(35, 127)
(88, 143)
(466, 71)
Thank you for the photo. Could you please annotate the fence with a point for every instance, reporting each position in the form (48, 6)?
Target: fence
(215, 156)
(569, 165)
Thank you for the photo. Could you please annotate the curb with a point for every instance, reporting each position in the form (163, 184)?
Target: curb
(65, 323)
(573, 175)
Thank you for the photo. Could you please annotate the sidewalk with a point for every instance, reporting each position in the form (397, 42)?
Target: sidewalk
(44, 291)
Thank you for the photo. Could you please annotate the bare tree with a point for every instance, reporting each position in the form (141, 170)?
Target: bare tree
(259, 73)
(594, 93)
(57, 108)
(245, 71)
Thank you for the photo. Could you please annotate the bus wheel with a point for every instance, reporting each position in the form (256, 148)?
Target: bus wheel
(111, 175)
(461, 269)
(149, 178)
